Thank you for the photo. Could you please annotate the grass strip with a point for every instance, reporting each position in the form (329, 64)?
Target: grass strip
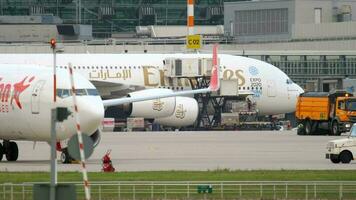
(216, 175)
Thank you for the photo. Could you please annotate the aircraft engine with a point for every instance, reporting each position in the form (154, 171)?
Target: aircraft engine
(96, 136)
(152, 108)
(185, 113)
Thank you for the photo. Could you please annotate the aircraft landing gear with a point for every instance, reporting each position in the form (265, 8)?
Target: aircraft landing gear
(65, 157)
(10, 150)
(1, 151)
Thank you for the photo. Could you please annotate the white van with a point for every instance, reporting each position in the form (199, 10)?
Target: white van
(342, 150)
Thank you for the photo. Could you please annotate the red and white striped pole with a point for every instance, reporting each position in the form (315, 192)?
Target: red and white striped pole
(53, 46)
(79, 134)
(190, 19)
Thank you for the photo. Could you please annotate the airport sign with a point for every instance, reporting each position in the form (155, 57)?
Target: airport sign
(193, 41)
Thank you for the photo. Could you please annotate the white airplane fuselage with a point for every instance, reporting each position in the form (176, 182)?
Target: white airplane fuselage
(27, 94)
(271, 89)
(27, 99)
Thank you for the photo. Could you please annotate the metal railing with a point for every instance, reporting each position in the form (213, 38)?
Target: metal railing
(189, 190)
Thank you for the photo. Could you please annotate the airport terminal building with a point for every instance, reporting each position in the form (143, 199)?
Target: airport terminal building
(313, 41)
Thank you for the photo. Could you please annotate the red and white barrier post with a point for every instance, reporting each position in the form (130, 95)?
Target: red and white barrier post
(190, 19)
(79, 134)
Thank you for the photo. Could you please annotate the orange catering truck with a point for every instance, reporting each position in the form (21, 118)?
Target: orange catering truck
(325, 113)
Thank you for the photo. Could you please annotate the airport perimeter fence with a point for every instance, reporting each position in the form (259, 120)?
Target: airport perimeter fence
(199, 190)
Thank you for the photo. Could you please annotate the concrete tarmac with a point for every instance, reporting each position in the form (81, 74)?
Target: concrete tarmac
(151, 151)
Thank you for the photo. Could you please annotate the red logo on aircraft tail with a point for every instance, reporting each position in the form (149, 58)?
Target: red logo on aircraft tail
(18, 88)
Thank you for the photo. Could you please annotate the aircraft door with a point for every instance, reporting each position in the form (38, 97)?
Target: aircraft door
(35, 97)
(271, 88)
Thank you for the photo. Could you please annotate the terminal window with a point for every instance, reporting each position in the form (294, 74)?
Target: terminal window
(261, 22)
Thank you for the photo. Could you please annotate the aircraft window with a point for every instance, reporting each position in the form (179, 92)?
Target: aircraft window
(65, 67)
(181, 88)
(289, 81)
(260, 88)
(110, 67)
(106, 67)
(74, 67)
(101, 67)
(138, 67)
(97, 67)
(92, 92)
(134, 67)
(59, 92)
(78, 67)
(80, 92)
(239, 88)
(243, 88)
(125, 67)
(248, 88)
(63, 93)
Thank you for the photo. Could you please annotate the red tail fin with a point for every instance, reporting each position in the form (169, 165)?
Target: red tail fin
(214, 80)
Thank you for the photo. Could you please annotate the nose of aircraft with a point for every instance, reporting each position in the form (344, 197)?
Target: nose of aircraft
(299, 89)
(91, 113)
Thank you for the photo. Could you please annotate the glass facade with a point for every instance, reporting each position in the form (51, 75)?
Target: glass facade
(112, 16)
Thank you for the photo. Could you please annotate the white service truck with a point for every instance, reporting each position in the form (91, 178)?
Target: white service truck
(342, 150)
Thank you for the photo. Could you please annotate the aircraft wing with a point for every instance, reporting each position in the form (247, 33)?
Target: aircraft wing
(104, 84)
(214, 86)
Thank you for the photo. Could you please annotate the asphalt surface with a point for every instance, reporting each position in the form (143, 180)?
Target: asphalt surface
(151, 151)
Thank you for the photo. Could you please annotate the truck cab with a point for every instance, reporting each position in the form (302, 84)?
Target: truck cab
(342, 150)
(321, 112)
(346, 109)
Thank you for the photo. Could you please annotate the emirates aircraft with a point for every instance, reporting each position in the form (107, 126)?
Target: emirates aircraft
(118, 74)
(26, 95)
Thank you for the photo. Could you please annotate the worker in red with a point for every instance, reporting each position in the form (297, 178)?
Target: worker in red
(107, 164)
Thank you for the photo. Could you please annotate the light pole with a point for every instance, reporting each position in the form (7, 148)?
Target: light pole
(53, 127)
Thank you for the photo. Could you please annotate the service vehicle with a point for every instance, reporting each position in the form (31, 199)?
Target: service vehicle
(342, 150)
(322, 113)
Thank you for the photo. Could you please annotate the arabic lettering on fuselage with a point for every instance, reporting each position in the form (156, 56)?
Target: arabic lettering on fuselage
(107, 74)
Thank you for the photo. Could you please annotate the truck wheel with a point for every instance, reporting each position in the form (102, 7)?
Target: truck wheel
(345, 157)
(308, 127)
(300, 131)
(335, 160)
(335, 128)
